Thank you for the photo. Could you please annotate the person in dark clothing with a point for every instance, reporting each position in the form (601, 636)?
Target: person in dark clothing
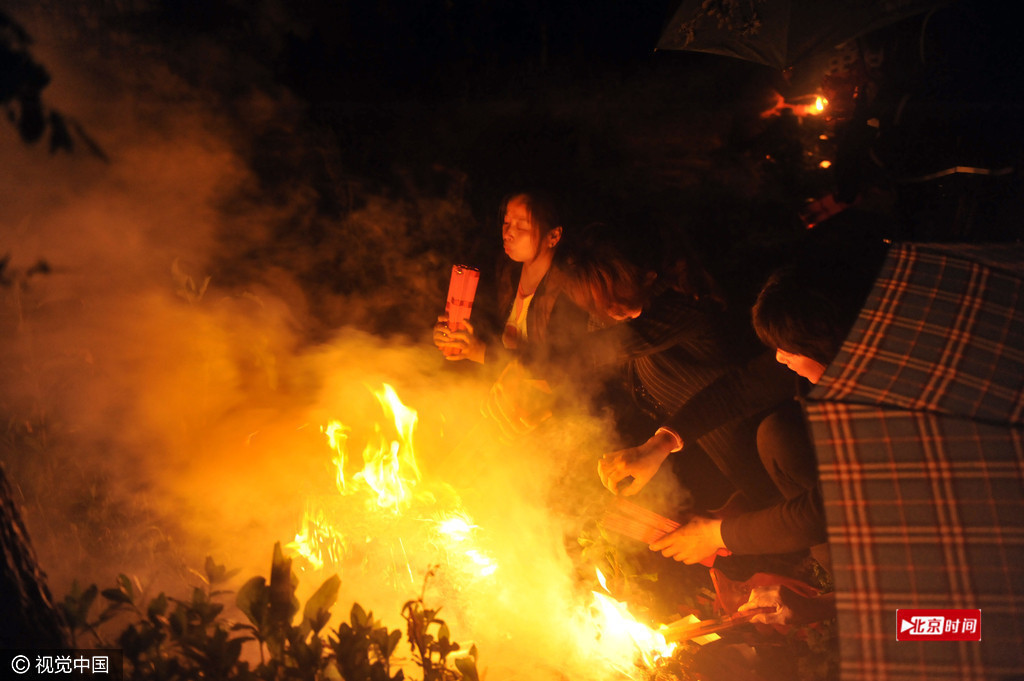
(794, 522)
(536, 319)
(530, 345)
(673, 343)
(804, 311)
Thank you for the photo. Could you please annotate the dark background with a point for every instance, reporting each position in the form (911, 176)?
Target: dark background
(427, 101)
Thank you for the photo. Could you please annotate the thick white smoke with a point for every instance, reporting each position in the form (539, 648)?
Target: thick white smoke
(160, 409)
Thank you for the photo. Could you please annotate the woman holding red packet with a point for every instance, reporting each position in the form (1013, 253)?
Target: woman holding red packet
(537, 318)
(537, 326)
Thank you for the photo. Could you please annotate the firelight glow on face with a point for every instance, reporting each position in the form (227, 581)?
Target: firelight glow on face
(801, 364)
(519, 235)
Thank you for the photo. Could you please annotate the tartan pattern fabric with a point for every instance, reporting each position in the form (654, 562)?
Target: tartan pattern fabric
(917, 427)
(942, 331)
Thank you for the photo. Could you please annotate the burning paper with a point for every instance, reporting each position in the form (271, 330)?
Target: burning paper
(378, 520)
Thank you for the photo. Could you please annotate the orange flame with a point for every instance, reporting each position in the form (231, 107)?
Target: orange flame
(455, 533)
(619, 630)
(390, 479)
(318, 541)
(389, 465)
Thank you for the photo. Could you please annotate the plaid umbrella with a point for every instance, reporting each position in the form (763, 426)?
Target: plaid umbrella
(918, 429)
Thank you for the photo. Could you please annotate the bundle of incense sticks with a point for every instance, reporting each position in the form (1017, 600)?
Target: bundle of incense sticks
(636, 522)
(684, 630)
(461, 292)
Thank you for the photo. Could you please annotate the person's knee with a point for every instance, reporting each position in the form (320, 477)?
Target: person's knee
(769, 436)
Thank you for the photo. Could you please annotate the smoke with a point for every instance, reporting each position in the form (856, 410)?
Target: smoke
(165, 388)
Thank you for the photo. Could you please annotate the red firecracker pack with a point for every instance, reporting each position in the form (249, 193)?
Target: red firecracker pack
(461, 292)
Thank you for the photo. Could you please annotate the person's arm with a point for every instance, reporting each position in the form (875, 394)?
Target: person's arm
(785, 448)
(788, 526)
(791, 525)
(743, 391)
(639, 463)
(695, 542)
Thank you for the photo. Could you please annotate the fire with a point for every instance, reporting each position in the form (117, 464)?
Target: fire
(318, 542)
(458, 527)
(622, 636)
(388, 519)
(389, 480)
(799, 106)
(454, 534)
(389, 465)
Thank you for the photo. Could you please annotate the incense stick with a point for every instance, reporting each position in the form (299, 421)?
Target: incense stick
(636, 522)
(684, 631)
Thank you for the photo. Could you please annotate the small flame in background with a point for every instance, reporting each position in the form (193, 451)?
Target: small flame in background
(397, 521)
(806, 105)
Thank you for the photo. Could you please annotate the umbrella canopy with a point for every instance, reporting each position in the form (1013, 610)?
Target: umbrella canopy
(918, 430)
(780, 33)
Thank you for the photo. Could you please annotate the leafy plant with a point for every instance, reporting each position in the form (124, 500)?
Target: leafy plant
(431, 643)
(181, 639)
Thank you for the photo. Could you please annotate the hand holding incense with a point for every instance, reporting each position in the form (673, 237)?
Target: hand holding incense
(685, 631)
(459, 305)
(636, 522)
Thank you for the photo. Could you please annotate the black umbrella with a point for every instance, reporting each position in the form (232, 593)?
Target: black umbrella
(780, 33)
(919, 429)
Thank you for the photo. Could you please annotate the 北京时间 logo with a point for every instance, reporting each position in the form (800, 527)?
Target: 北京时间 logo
(938, 625)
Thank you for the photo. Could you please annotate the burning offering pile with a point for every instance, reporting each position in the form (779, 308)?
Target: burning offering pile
(384, 519)
(391, 522)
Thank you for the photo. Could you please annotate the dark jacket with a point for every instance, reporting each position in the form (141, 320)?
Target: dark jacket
(555, 325)
(798, 520)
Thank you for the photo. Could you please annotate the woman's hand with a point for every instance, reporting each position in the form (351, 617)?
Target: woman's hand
(768, 596)
(790, 607)
(694, 542)
(640, 463)
(458, 345)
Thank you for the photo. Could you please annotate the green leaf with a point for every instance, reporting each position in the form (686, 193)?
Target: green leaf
(318, 607)
(283, 582)
(124, 583)
(467, 666)
(85, 601)
(358, 617)
(157, 607)
(393, 639)
(77, 604)
(254, 600)
(216, 574)
(116, 595)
